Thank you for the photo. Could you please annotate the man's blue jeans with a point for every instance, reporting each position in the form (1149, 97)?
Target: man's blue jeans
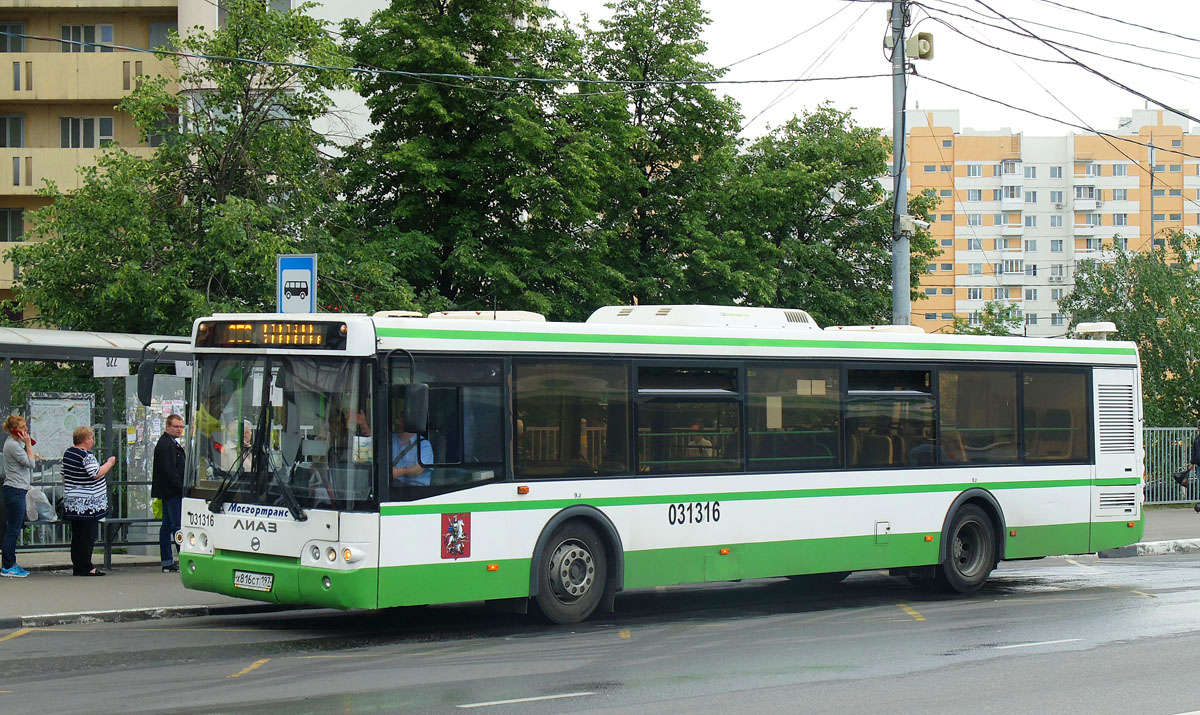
(172, 512)
(14, 509)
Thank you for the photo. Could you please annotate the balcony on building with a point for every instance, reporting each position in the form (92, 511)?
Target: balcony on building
(1012, 279)
(39, 77)
(1012, 203)
(1084, 230)
(23, 170)
(1011, 229)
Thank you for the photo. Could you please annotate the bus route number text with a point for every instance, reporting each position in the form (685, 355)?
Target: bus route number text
(694, 513)
(201, 519)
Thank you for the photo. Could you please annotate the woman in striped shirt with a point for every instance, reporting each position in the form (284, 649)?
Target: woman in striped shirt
(85, 498)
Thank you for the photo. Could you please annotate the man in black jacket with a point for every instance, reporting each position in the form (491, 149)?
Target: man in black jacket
(168, 487)
(1182, 477)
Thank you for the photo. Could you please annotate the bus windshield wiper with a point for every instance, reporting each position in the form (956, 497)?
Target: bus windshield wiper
(228, 480)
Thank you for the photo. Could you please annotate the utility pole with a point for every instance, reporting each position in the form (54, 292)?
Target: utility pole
(1152, 244)
(901, 299)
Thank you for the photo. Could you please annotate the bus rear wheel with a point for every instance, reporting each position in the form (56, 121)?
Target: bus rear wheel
(970, 552)
(573, 573)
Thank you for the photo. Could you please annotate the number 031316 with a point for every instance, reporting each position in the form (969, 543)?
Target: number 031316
(700, 512)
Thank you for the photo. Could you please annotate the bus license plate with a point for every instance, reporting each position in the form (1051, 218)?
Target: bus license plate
(253, 581)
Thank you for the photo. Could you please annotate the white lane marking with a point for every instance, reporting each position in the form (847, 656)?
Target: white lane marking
(1083, 566)
(525, 700)
(1030, 645)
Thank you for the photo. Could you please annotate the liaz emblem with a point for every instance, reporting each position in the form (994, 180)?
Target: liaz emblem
(456, 536)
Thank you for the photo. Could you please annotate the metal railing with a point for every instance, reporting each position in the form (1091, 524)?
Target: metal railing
(1168, 450)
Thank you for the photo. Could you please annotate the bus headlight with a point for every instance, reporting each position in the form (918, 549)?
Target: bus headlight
(315, 552)
(331, 554)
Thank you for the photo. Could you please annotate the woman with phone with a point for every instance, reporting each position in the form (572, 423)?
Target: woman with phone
(18, 473)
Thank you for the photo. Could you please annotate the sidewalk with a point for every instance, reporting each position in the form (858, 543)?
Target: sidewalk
(137, 589)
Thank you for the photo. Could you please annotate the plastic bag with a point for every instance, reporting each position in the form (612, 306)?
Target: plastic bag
(37, 507)
(156, 508)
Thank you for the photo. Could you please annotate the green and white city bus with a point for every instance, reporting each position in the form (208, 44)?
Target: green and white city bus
(361, 461)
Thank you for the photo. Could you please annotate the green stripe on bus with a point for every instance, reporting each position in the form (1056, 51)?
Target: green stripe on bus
(532, 504)
(1068, 349)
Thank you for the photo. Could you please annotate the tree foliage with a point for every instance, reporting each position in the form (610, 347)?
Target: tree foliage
(1151, 298)
(808, 199)
(148, 244)
(997, 317)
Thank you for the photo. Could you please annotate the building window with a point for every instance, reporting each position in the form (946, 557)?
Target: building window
(974, 169)
(1085, 192)
(1092, 244)
(1031, 269)
(1121, 243)
(1158, 167)
(1120, 219)
(946, 143)
(1119, 170)
(1030, 246)
(1158, 192)
(160, 34)
(1092, 220)
(1056, 293)
(85, 132)
(1176, 217)
(974, 319)
(947, 291)
(1056, 197)
(1176, 142)
(9, 42)
(1031, 318)
(947, 316)
(1176, 168)
(1120, 194)
(1031, 294)
(947, 266)
(1056, 222)
(1057, 271)
(1031, 222)
(946, 193)
(931, 316)
(1056, 172)
(974, 294)
(947, 218)
(974, 219)
(931, 168)
(947, 168)
(948, 242)
(999, 293)
(1092, 170)
(974, 244)
(974, 269)
(1160, 217)
(1014, 266)
(12, 130)
(1031, 197)
(1175, 192)
(1056, 245)
(996, 194)
(997, 219)
(1010, 166)
(1012, 192)
(12, 225)
(931, 291)
(1056, 318)
(83, 38)
(1031, 172)
(974, 194)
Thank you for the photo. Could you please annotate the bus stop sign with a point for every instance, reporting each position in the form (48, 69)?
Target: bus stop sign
(296, 283)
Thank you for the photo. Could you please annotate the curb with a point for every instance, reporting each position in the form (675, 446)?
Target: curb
(129, 615)
(1153, 548)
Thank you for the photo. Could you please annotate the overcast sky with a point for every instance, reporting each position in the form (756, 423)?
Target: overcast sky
(844, 37)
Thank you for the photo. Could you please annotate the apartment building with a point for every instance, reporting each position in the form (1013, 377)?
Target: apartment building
(1018, 214)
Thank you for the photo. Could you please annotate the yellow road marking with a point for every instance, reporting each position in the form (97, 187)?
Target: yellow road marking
(1083, 566)
(1147, 595)
(911, 611)
(624, 633)
(15, 634)
(256, 664)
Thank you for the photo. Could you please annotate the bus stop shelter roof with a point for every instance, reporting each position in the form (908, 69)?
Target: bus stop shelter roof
(73, 345)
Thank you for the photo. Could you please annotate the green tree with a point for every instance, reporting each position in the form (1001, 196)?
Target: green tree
(1151, 297)
(995, 318)
(148, 244)
(808, 200)
(480, 191)
(674, 143)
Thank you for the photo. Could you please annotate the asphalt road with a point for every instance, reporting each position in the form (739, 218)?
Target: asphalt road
(1079, 635)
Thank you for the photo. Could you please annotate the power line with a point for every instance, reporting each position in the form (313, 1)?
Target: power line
(1117, 20)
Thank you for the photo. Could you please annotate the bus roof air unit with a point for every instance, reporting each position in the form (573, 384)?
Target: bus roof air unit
(706, 316)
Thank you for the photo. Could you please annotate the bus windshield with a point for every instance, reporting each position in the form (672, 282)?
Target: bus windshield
(290, 431)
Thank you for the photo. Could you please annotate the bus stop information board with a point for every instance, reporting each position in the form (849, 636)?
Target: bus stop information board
(296, 283)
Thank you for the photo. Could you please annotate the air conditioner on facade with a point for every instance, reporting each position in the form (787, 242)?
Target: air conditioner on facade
(1060, 206)
(1056, 279)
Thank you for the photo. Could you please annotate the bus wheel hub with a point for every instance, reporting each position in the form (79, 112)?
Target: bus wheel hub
(572, 570)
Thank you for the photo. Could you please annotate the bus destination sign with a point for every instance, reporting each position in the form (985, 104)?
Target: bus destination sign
(271, 334)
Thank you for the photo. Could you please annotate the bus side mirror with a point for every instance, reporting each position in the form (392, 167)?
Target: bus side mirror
(145, 382)
(416, 408)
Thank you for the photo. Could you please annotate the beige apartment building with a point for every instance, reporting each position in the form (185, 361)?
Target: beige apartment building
(1018, 214)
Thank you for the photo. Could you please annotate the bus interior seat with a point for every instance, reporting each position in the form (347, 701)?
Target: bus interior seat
(1056, 438)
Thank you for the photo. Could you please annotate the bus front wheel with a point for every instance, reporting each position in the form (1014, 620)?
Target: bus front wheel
(970, 551)
(573, 573)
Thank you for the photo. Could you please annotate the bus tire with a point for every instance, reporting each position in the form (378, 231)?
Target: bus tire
(573, 573)
(970, 553)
